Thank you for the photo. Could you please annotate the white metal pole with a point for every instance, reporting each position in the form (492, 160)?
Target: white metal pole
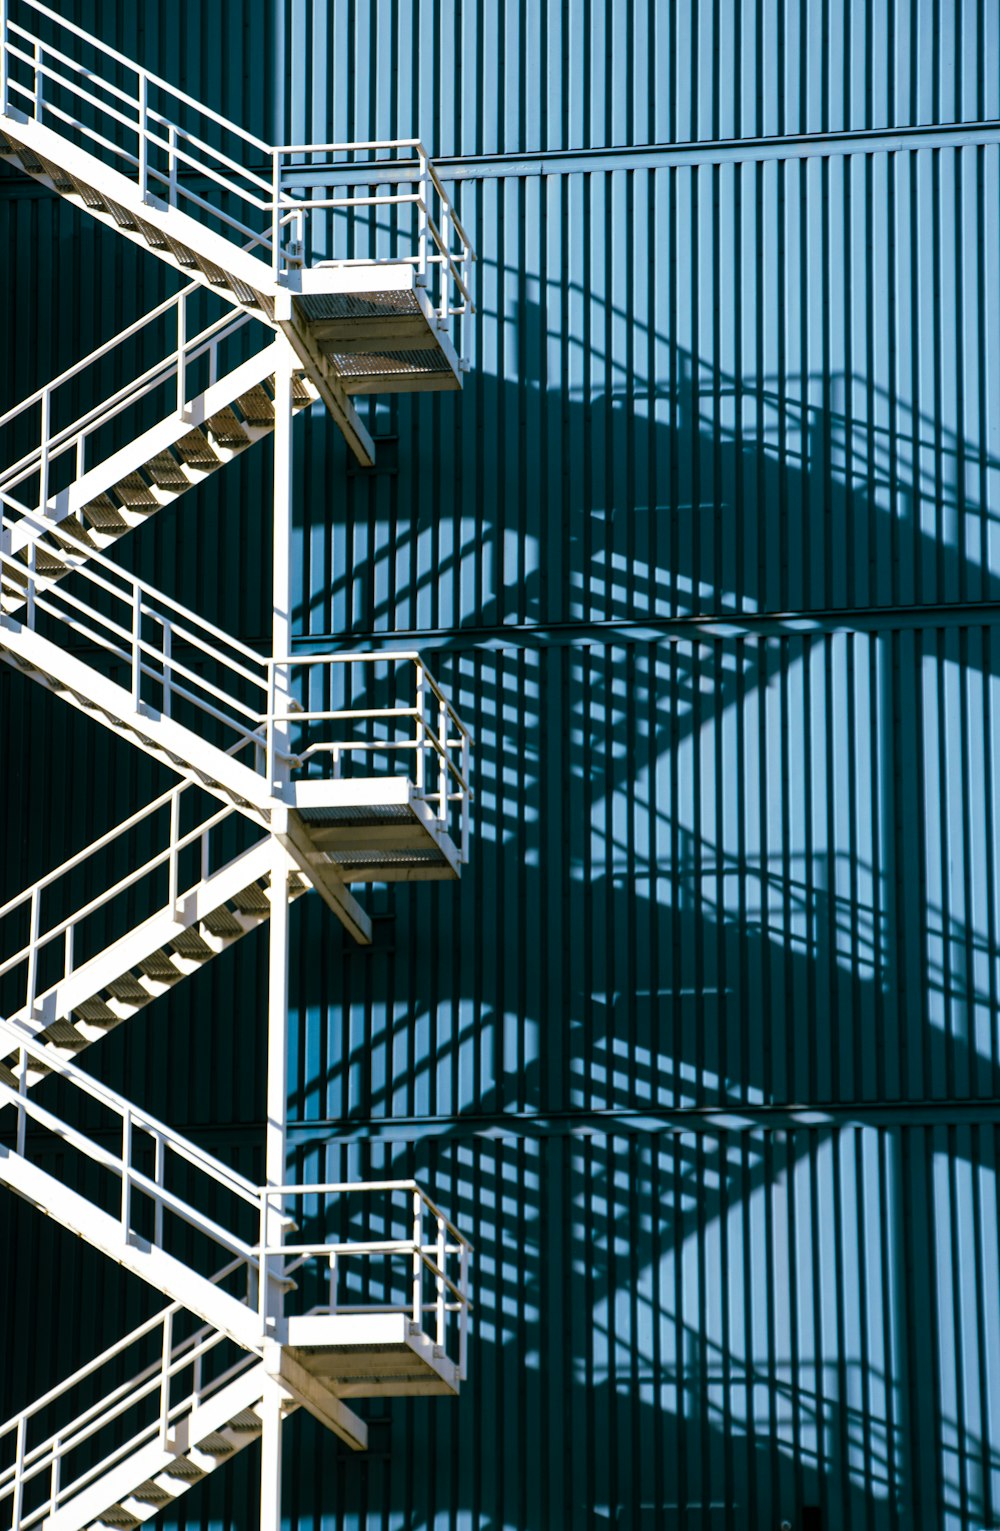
(270, 1458)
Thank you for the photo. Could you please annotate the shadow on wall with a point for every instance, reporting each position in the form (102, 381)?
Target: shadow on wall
(733, 875)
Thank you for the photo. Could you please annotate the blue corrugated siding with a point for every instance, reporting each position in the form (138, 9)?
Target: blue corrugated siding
(703, 1049)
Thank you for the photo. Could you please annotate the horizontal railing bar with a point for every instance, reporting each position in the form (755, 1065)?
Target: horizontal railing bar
(344, 1187)
(153, 79)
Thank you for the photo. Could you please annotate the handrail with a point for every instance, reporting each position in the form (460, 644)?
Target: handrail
(280, 187)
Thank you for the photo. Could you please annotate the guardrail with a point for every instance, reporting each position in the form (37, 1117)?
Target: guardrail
(41, 1476)
(420, 1276)
(175, 372)
(55, 948)
(159, 136)
(185, 668)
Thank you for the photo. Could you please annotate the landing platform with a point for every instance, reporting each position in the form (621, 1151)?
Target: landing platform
(370, 326)
(374, 829)
(371, 1355)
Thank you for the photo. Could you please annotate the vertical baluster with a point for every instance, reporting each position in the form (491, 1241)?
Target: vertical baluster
(276, 214)
(143, 145)
(421, 727)
(18, 1495)
(439, 1279)
(418, 1244)
(34, 931)
(445, 232)
(43, 455)
(181, 352)
(37, 80)
(3, 56)
(54, 1484)
(168, 1345)
(126, 1178)
(463, 1330)
(333, 1282)
(173, 869)
(422, 211)
(136, 641)
(168, 675)
(442, 763)
(68, 951)
(172, 165)
(22, 1098)
(465, 798)
(159, 1170)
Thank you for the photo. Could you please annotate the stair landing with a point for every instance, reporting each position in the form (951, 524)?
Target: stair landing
(369, 1355)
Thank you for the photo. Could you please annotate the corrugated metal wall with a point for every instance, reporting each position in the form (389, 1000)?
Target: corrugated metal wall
(703, 1049)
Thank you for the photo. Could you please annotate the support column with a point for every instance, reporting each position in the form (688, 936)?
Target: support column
(277, 992)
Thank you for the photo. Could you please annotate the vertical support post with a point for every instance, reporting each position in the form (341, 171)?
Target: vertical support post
(136, 641)
(172, 165)
(143, 145)
(333, 1282)
(22, 1092)
(423, 212)
(465, 797)
(442, 763)
(18, 1472)
(181, 349)
(68, 952)
(281, 621)
(3, 56)
(126, 1178)
(439, 1279)
(463, 1330)
(43, 455)
(270, 1457)
(168, 674)
(168, 1345)
(276, 214)
(445, 254)
(55, 1474)
(159, 1167)
(175, 834)
(418, 1244)
(421, 727)
(35, 916)
(37, 81)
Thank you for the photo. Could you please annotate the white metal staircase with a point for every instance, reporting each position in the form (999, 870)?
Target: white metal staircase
(339, 270)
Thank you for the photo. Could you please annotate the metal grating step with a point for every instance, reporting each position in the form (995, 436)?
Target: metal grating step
(135, 493)
(195, 451)
(166, 472)
(104, 515)
(227, 430)
(256, 406)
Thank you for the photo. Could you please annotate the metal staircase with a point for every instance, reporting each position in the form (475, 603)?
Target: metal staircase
(333, 270)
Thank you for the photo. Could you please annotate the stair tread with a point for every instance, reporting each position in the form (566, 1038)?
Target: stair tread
(256, 406)
(166, 472)
(183, 256)
(194, 448)
(215, 274)
(158, 966)
(188, 943)
(96, 1010)
(135, 493)
(129, 989)
(252, 900)
(121, 215)
(153, 237)
(221, 923)
(62, 1034)
(227, 429)
(103, 514)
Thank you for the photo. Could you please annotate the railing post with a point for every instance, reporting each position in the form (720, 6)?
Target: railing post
(35, 918)
(143, 141)
(15, 1517)
(441, 1257)
(43, 455)
(175, 834)
(421, 727)
(29, 605)
(136, 640)
(445, 254)
(126, 1180)
(333, 1282)
(37, 81)
(418, 1244)
(22, 1094)
(465, 798)
(181, 348)
(172, 165)
(276, 214)
(463, 1328)
(68, 952)
(443, 763)
(159, 1167)
(55, 1474)
(269, 725)
(423, 213)
(168, 1345)
(262, 1261)
(168, 678)
(3, 56)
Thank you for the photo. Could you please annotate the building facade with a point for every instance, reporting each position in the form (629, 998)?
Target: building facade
(702, 1050)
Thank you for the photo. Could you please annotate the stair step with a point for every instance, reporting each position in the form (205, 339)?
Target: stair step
(135, 493)
(72, 536)
(182, 255)
(252, 900)
(189, 945)
(30, 161)
(216, 1445)
(103, 514)
(215, 274)
(97, 1012)
(63, 1034)
(153, 237)
(121, 215)
(183, 1468)
(256, 406)
(46, 561)
(129, 989)
(223, 924)
(6, 147)
(151, 1493)
(118, 1516)
(194, 450)
(160, 968)
(247, 1419)
(227, 430)
(166, 472)
(59, 177)
(301, 394)
(91, 197)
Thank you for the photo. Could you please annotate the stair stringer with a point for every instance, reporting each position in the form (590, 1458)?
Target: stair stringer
(162, 1271)
(240, 278)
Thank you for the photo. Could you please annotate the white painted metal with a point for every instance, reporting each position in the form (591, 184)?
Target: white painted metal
(346, 768)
